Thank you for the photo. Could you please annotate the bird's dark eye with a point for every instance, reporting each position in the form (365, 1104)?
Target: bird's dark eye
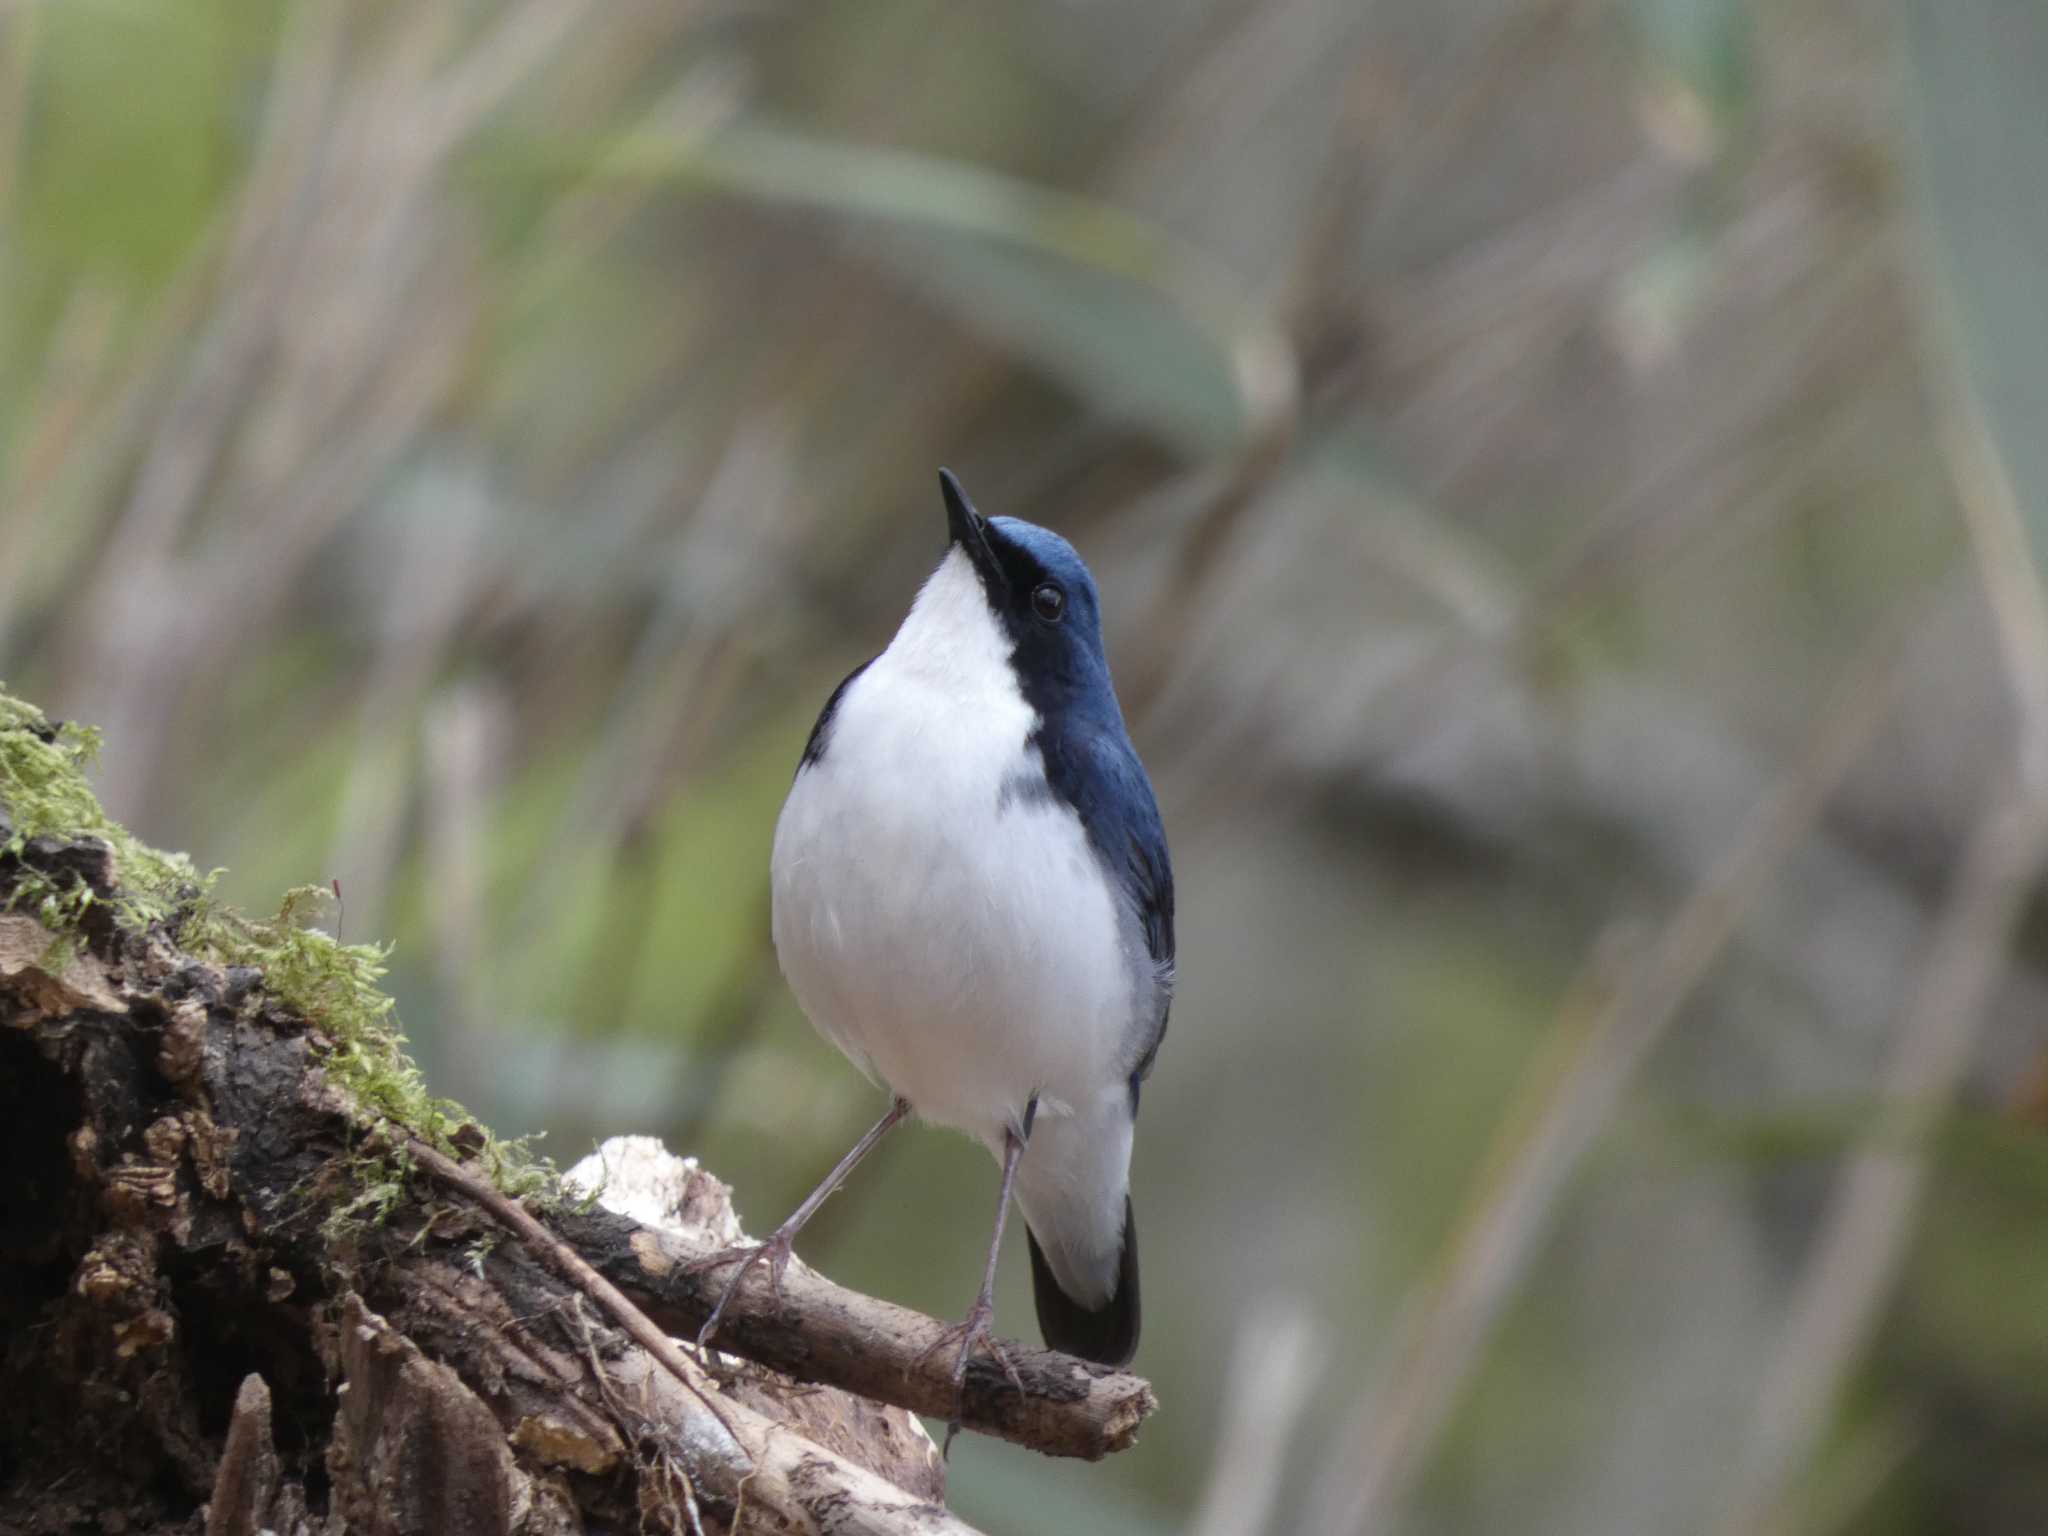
(1048, 602)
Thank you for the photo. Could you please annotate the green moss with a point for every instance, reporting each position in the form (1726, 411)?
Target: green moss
(44, 790)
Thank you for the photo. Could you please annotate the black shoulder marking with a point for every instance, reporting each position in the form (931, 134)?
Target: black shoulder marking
(1148, 876)
(821, 733)
(1024, 788)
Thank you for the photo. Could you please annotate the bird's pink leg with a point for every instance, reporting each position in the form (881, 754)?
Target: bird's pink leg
(777, 1248)
(976, 1328)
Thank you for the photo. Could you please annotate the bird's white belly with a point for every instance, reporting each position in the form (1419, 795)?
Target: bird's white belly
(961, 947)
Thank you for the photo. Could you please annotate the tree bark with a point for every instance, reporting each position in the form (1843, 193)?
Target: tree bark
(231, 1301)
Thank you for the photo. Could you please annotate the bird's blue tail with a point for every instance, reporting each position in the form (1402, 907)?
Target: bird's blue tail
(1107, 1334)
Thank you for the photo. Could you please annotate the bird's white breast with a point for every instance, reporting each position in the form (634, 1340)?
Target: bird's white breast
(959, 942)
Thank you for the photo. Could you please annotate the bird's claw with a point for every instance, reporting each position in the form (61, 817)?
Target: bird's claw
(777, 1250)
(965, 1335)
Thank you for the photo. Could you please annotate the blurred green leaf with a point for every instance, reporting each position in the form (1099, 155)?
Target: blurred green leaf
(1051, 271)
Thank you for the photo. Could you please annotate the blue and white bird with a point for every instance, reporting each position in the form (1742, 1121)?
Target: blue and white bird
(973, 901)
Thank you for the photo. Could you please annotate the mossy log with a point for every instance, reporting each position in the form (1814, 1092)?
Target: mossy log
(235, 1296)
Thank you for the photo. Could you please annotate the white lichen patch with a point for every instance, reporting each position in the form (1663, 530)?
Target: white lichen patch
(639, 1178)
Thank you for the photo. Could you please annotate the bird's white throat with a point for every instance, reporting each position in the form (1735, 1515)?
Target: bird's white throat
(951, 639)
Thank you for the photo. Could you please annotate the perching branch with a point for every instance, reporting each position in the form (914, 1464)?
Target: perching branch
(822, 1332)
(815, 1330)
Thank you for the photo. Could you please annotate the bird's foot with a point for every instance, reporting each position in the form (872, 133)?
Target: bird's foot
(777, 1250)
(963, 1336)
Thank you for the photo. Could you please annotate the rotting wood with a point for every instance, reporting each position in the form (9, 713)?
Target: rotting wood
(169, 1262)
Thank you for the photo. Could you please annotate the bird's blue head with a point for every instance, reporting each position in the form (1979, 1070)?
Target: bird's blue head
(1043, 598)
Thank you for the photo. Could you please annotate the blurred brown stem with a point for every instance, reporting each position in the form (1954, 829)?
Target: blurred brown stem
(1274, 1367)
(1447, 1327)
(1864, 1239)
(1863, 1242)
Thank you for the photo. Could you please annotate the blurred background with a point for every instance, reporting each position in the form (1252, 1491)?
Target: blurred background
(1562, 477)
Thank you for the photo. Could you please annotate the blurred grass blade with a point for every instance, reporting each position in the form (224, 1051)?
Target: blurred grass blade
(1608, 1030)
(1976, 69)
(1699, 56)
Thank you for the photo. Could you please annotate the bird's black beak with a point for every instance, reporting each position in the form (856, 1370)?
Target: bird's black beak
(969, 529)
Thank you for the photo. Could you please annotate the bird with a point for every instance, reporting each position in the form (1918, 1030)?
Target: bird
(971, 897)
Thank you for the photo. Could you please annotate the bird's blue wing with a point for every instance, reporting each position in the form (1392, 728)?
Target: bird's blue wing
(1097, 772)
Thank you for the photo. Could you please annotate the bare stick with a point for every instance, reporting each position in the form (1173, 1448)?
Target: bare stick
(818, 1331)
(803, 1486)
(821, 1332)
(789, 1482)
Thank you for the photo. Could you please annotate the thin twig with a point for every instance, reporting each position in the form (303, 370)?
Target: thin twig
(803, 1486)
(572, 1267)
(632, 1424)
